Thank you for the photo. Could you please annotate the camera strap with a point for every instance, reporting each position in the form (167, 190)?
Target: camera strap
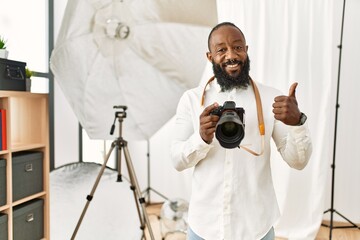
(259, 115)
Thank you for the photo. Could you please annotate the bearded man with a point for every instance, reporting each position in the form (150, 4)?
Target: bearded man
(232, 190)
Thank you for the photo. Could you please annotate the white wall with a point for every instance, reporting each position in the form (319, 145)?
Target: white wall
(65, 123)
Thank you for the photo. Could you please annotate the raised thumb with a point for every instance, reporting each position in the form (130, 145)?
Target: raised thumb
(292, 90)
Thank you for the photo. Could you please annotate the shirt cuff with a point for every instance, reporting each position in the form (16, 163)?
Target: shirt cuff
(199, 144)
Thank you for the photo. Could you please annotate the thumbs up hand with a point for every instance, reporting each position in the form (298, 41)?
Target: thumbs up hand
(285, 108)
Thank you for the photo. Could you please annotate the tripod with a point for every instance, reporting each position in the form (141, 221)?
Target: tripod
(331, 209)
(121, 145)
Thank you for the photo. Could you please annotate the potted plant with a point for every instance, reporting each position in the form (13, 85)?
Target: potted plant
(28, 74)
(3, 52)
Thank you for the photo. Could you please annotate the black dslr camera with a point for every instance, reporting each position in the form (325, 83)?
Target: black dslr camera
(230, 129)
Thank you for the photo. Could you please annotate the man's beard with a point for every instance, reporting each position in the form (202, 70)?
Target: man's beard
(228, 82)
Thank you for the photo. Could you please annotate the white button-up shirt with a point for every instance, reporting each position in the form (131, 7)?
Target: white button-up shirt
(232, 190)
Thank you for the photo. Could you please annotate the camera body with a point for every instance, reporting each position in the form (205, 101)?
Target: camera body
(230, 129)
(229, 106)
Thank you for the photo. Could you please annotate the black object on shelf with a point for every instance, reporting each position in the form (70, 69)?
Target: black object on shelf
(12, 75)
(27, 176)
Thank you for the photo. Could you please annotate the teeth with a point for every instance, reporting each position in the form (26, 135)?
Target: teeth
(232, 65)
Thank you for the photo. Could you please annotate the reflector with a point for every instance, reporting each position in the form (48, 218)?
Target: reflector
(142, 54)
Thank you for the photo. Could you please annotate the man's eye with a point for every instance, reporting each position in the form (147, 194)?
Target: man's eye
(238, 48)
(221, 50)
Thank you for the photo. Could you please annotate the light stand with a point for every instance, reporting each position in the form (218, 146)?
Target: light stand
(331, 209)
(121, 145)
(149, 188)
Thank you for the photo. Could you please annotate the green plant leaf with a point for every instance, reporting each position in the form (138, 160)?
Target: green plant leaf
(2, 43)
(28, 73)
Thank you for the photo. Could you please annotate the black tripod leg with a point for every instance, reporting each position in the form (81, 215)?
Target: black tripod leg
(118, 157)
(353, 225)
(91, 195)
(137, 191)
(147, 191)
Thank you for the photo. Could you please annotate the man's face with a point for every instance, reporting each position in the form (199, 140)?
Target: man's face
(228, 53)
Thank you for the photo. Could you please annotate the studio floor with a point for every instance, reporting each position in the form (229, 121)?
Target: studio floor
(68, 191)
(323, 234)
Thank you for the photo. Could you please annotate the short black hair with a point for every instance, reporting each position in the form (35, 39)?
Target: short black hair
(220, 25)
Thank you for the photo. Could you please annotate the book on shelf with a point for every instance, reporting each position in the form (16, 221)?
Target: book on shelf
(3, 129)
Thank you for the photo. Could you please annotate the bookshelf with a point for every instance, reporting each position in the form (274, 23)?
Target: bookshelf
(27, 129)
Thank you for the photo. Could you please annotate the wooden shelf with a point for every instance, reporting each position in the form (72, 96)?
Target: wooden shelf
(27, 129)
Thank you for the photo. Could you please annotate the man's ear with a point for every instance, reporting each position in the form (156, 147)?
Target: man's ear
(247, 48)
(209, 57)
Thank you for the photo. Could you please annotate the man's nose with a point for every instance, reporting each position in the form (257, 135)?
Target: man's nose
(231, 54)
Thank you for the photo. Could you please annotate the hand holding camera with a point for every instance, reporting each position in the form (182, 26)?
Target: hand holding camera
(227, 122)
(208, 123)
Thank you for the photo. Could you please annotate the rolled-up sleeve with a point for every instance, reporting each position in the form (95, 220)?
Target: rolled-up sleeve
(293, 143)
(187, 147)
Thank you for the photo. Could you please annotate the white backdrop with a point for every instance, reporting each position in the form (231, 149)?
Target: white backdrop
(288, 41)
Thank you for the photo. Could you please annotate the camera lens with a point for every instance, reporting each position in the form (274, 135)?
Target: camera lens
(230, 130)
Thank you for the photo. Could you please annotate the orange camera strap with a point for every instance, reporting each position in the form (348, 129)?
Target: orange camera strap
(259, 115)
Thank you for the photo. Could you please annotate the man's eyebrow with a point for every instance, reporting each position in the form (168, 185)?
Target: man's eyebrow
(236, 41)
